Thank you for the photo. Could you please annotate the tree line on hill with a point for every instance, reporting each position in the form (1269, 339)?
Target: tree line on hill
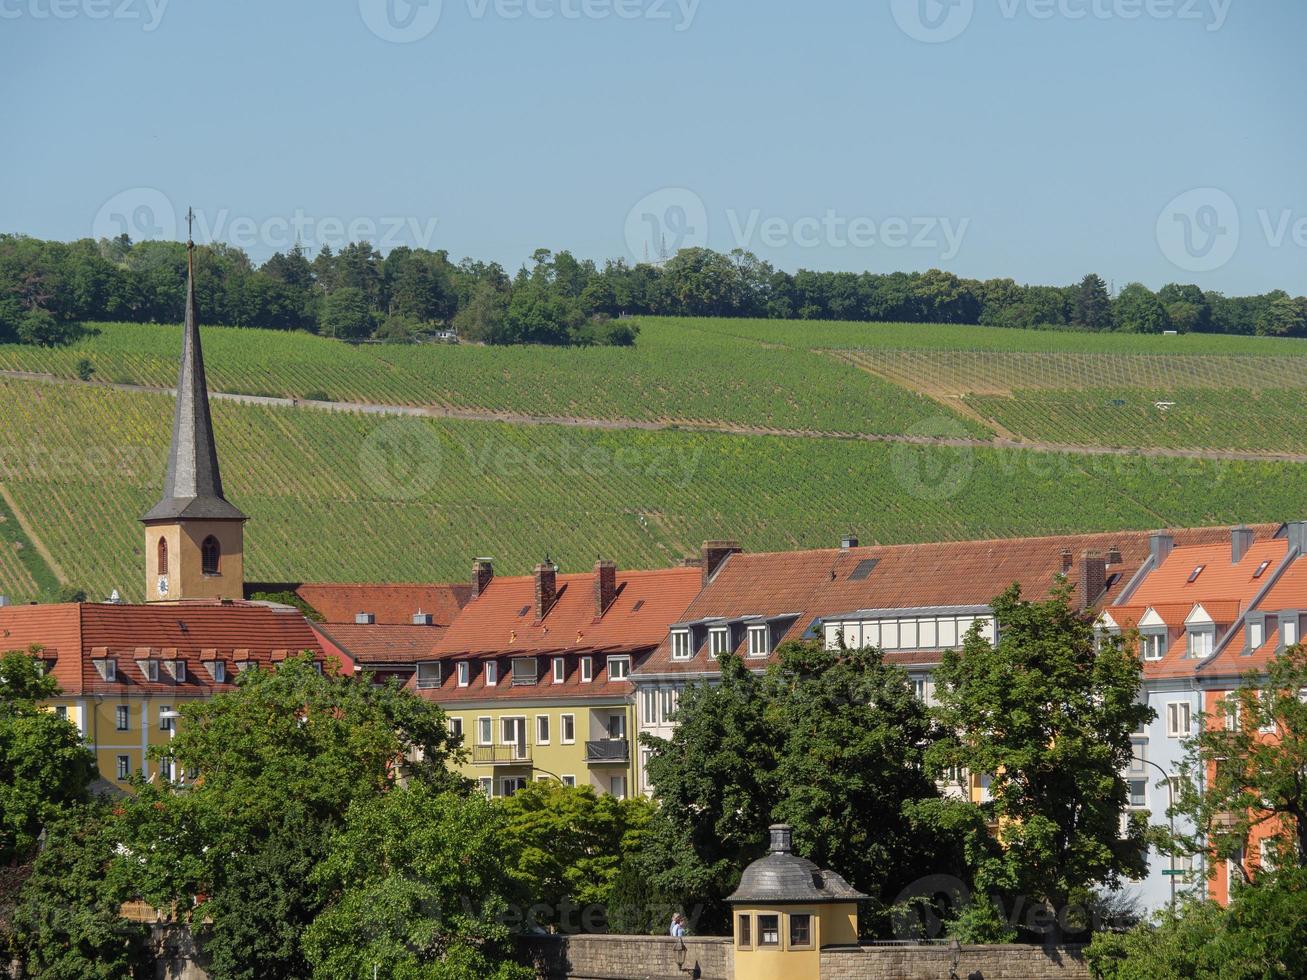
(291, 842)
(47, 288)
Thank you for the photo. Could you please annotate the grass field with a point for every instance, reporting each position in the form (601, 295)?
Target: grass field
(349, 497)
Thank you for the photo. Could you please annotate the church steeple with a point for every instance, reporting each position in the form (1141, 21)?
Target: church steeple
(193, 522)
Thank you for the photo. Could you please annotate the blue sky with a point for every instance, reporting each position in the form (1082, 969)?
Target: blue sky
(1157, 140)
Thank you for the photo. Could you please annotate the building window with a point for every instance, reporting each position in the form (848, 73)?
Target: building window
(619, 668)
(1177, 719)
(456, 729)
(617, 787)
(485, 731)
(560, 670)
(569, 780)
(744, 938)
(645, 756)
(567, 732)
(587, 670)
(163, 557)
(542, 729)
(1290, 630)
(220, 672)
(492, 673)
(1138, 794)
(210, 556)
(1200, 643)
(150, 669)
(487, 786)
(719, 641)
(165, 718)
(61, 712)
(680, 644)
(165, 770)
(110, 669)
(1153, 646)
(649, 706)
(124, 766)
(123, 718)
(769, 930)
(179, 671)
(428, 676)
(526, 670)
(759, 641)
(669, 698)
(800, 931)
(1256, 635)
(464, 673)
(617, 726)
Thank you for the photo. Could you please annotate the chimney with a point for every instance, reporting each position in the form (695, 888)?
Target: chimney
(1093, 578)
(1067, 560)
(605, 585)
(1160, 544)
(546, 588)
(848, 541)
(782, 838)
(714, 553)
(1297, 532)
(483, 571)
(1241, 539)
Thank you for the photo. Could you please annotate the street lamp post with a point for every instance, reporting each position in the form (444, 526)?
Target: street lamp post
(1170, 794)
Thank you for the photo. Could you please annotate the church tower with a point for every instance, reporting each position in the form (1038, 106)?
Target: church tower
(194, 538)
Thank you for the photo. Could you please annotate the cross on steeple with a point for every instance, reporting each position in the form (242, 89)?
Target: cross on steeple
(190, 228)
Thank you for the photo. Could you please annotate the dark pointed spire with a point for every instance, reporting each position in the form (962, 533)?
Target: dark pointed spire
(193, 486)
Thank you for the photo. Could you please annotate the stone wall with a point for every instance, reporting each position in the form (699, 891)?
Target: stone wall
(588, 957)
(936, 963)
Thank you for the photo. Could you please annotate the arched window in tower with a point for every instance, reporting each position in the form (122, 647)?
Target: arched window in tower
(210, 556)
(163, 556)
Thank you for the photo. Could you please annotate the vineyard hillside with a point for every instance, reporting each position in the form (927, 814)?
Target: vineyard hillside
(343, 496)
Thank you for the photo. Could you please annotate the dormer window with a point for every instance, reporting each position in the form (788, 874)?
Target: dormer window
(219, 670)
(492, 673)
(719, 641)
(1256, 634)
(587, 670)
(211, 556)
(1289, 631)
(149, 669)
(759, 641)
(179, 671)
(464, 673)
(560, 670)
(1153, 646)
(681, 645)
(106, 668)
(1201, 643)
(525, 670)
(428, 676)
(619, 668)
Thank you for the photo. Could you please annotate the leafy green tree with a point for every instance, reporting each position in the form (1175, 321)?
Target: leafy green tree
(417, 879)
(849, 769)
(564, 849)
(482, 319)
(1243, 772)
(1283, 316)
(1047, 714)
(69, 919)
(1093, 306)
(346, 314)
(44, 766)
(1138, 310)
(276, 765)
(1259, 937)
(715, 782)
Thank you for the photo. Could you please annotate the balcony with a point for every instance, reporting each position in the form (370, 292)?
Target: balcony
(501, 755)
(608, 751)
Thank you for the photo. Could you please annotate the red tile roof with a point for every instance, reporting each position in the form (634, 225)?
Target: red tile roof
(369, 645)
(818, 584)
(501, 625)
(1287, 593)
(78, 634)
(1220, 578)
(390, 604)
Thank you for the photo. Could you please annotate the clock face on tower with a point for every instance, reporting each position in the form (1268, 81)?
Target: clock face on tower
(162, 585)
